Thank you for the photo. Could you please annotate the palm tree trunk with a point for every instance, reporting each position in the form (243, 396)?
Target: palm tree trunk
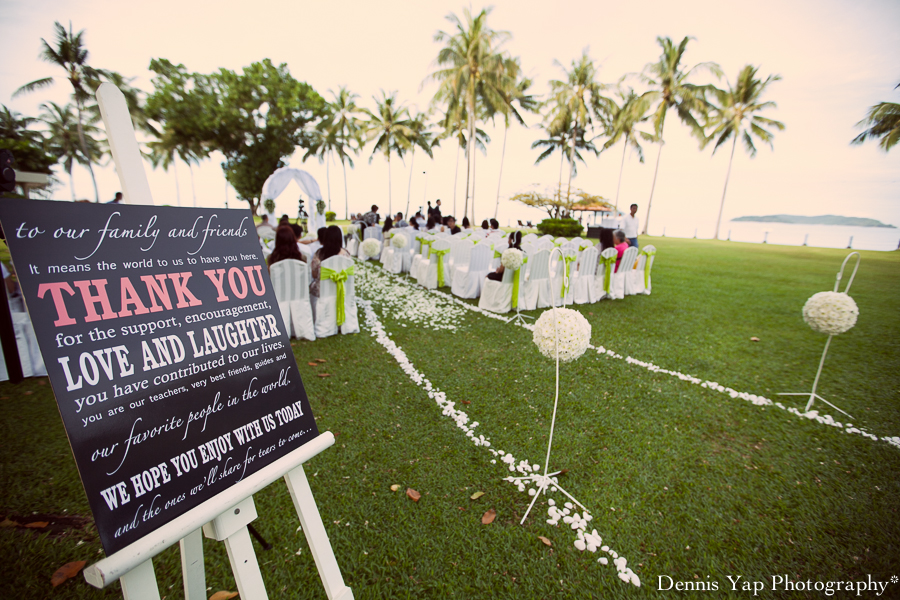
(409, 187)
(328, 176)
(456, 176)
(502, 156)
(87, 156)
(470, 149)
(653, 187)
(346, 197)
(571, 164)
(193, 189)
(619, 185)
(562, 156)
(72, 183)
(390, 194)
(725, 189)
(178, 187)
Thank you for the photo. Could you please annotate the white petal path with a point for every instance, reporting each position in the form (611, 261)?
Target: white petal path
(584, 541)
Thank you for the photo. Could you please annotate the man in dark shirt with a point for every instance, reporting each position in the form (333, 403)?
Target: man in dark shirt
(371, 217)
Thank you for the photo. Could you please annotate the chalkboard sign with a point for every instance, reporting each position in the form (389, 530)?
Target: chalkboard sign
(165, 348)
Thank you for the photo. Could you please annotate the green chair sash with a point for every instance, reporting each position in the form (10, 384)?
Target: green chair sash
(440, 265)
(647, 266)
(498, 254)
(557, 245)
(565, 286)
(427, 244)
(338, 277)
(610, 263)
(515, 290)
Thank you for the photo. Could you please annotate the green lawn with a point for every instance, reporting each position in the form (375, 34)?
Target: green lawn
(681, 480)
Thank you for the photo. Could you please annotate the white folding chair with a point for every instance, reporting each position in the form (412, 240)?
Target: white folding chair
(558, 276)
(648, 255)
(537, 292)
(467, 278)
(290, 281)
(385, 247)
(326, 306)
(437, 272)
(459, 255)
(603, 280)
(584, 288)
(626, 264)
(529, 237)
(496, 296)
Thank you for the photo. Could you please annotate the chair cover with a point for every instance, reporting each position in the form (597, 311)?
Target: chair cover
(459, 255)
(326, 307)
(290, 280)
(603, 281)
(619, 277)
(496, 296)
(385, 247)
(584, 288)
(634, 276)
(537, 290)
(467, 278)
(565, 270)
(645, 264)
(436, 273)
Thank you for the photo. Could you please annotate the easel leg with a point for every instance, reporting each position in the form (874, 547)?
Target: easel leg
(316, 536)
(140, 583)
(231, 528)
(192, 570)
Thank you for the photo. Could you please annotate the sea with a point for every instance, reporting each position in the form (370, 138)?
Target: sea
(786, 234)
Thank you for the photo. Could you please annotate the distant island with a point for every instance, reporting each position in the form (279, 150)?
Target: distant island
(820, 220)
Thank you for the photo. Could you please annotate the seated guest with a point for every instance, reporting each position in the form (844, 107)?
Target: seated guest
(431, 226)
(485, 226)
(621, 245)
(285, 246)
(317, 243)
(495, 226)
(331, 246)
(515, 241)
(451, 225)
(415, 223)
(465, 224)
(298, 230)
(264, 229)
(399, 222)
(388, 225)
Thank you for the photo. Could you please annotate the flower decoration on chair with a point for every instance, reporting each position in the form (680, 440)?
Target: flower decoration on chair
(371, 248)
(399, 241)
(574, 334)
(830, 312)
(352, 229)
(512, 259)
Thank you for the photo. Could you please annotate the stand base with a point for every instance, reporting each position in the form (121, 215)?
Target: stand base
(519, 318)
(543, 482)
(814, 396)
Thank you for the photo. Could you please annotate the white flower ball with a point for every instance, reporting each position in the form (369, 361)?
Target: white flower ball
(512, 259)
(573, 329)
(830, 312)
(399, 241)
(371, 248)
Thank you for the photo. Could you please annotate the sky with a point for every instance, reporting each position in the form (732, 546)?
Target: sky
(836, 59)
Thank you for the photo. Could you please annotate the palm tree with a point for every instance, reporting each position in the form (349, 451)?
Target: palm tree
(559, 136)
(734, 116)
(455, 124)
(346, 133)
(164, 154)
(882, 121)
(622, 124)
(323, 142)
(673, 90)
(421, 137)
(389, 127)
(65, 137)
(515, 93)
(15, 126)
(70, 54)
(577, 101)
(471, 74)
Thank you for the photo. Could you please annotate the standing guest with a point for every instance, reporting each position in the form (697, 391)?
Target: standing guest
(371, 217)
(285, 246)
(451, 225)
(331, 246)
(117, 199)
(465, 224)
(621, 246)
(388, 225)
(436, 211)
(630, 226)
(399, 222)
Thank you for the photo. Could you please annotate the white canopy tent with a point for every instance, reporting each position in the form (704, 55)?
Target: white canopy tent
(281, 178)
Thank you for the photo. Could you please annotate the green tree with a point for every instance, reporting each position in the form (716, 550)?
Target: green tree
(735, 115)
(27, 145)
(882, 121)
(671, 89)
(622, 126)
(70, 54)
(576, 102)
(65, 137)
(389, 127)
(471, 73)
(255, 118)
(421, 137)
(515, 98)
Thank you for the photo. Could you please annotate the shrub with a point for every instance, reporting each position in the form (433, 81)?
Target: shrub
(330, 216)
(560, 227)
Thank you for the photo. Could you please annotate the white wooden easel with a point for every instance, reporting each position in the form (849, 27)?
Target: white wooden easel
(226, 516)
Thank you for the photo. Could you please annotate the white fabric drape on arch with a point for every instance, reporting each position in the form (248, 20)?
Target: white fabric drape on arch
(281, 178)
